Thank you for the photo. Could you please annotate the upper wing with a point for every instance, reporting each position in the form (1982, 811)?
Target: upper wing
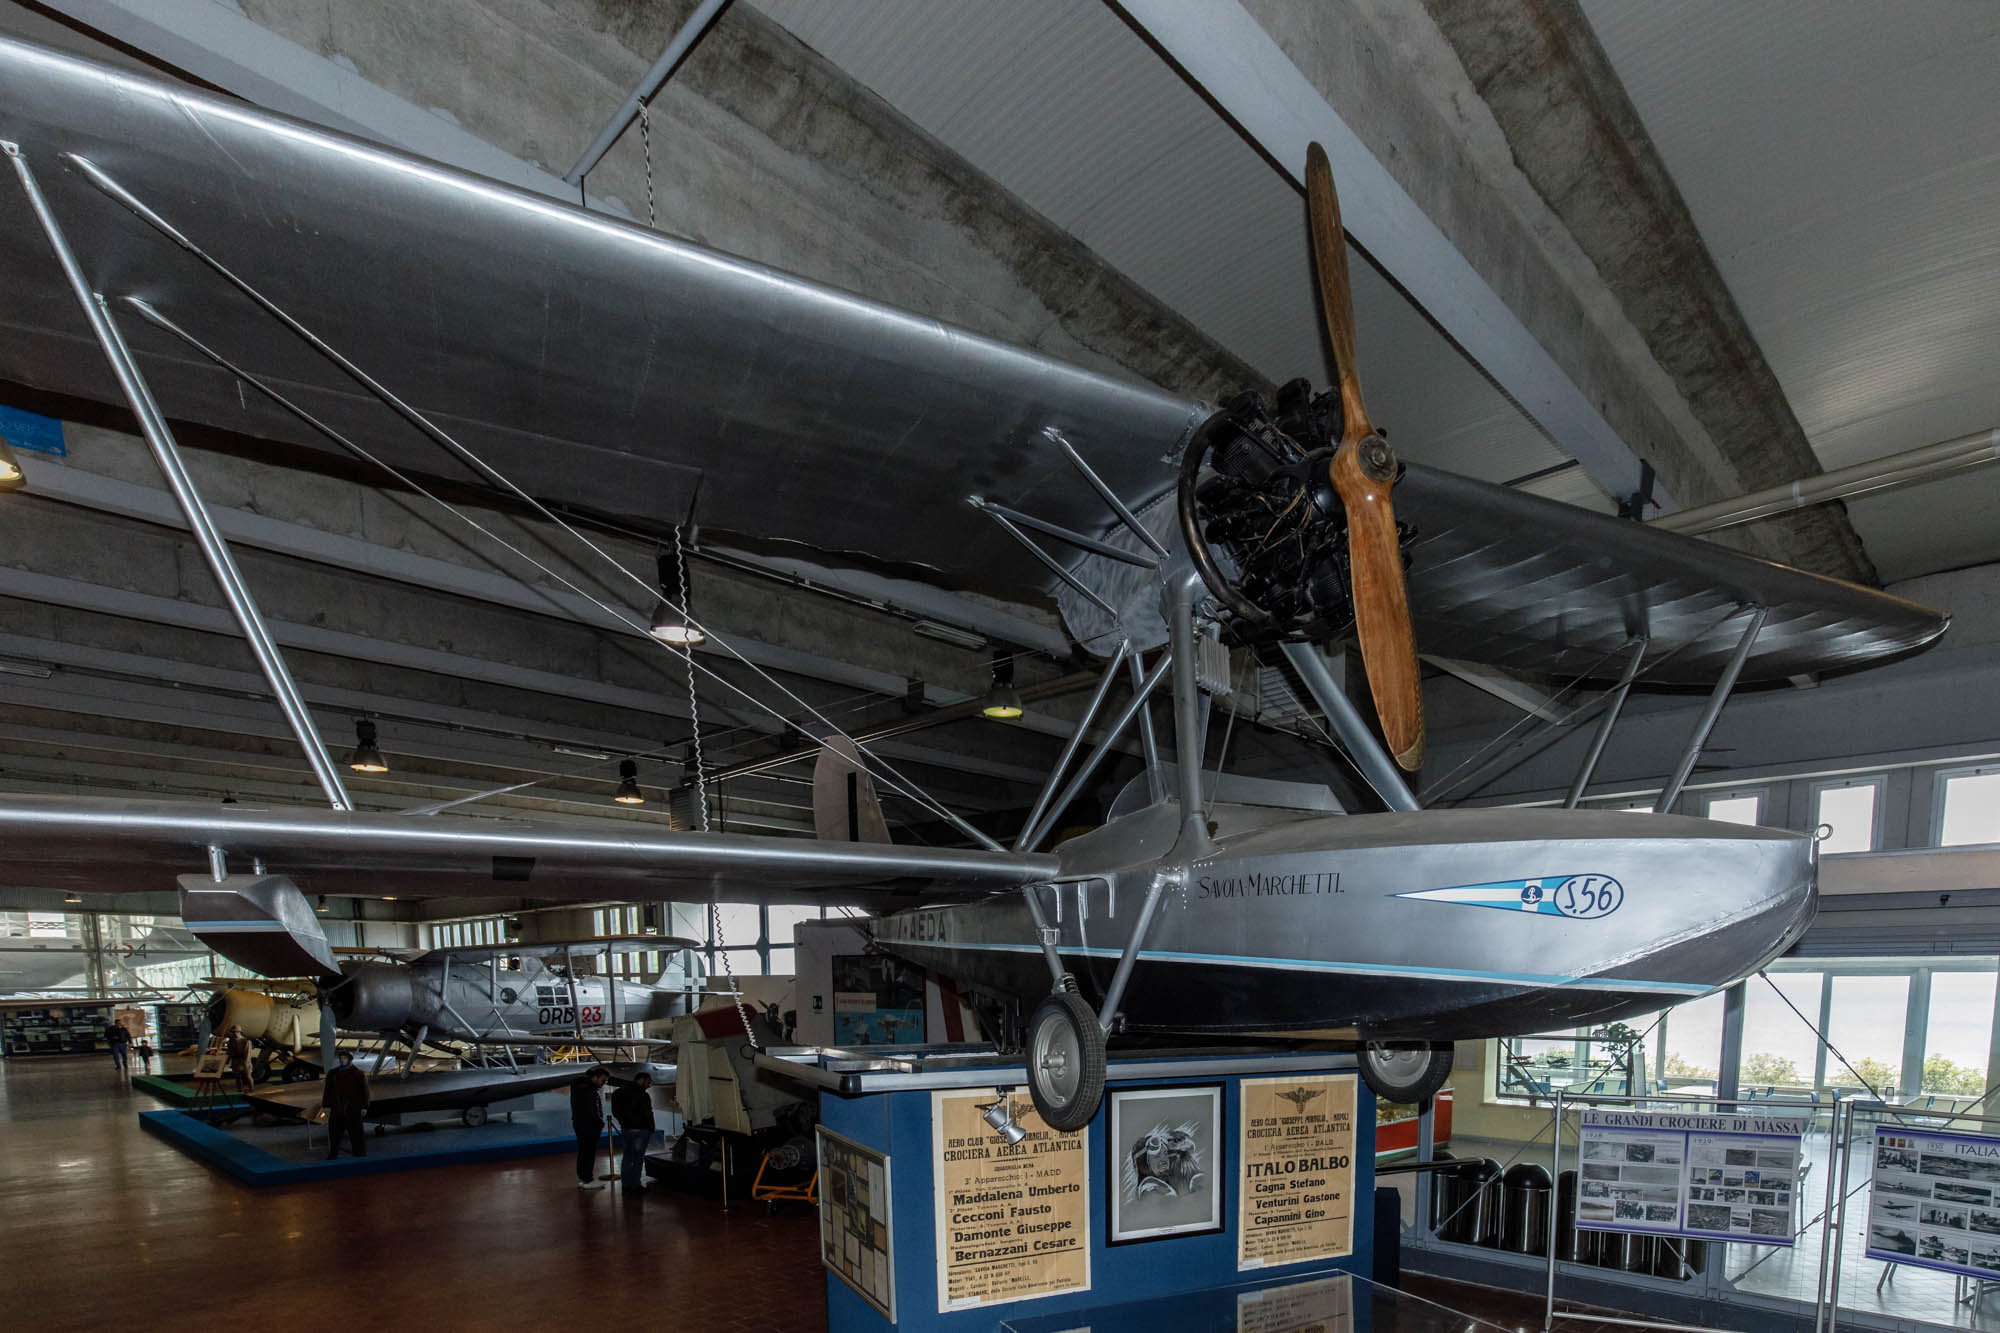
(1513, 580)
(551, 340)
(554, 340)
(107, 846)
(481, 953)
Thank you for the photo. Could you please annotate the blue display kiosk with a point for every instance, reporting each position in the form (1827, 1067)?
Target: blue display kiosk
(885, 1107)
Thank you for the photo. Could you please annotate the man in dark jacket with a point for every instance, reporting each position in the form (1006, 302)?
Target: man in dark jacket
(120, 1042)
(345, 1097)
(586, 1117)
(632, 1108)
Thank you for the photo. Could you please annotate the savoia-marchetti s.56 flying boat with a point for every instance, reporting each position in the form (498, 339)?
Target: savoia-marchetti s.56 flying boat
(849, 426)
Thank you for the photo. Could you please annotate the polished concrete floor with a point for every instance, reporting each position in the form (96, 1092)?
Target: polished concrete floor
(103, 1225)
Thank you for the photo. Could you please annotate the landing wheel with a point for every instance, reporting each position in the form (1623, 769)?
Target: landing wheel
(1065, 1061)
(473, 1116)
(1405, 1071)
(260, 1070)
(298, 1071)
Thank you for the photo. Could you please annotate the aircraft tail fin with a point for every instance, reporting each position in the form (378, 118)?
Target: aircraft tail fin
(845, 806)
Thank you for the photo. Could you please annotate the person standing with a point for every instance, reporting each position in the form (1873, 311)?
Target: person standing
(120, 1042)
(345, 1097)
(144, 1050)
(632, 1108)
(586, 1117)
(238, 1047)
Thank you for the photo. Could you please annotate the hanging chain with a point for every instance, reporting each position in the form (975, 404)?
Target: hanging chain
(646, 146)
(700, 761)
(694, 704)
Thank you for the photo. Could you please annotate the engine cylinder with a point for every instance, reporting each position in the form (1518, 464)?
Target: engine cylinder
(375, 997)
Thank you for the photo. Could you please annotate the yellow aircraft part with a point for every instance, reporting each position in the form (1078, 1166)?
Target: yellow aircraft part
(284, 1020)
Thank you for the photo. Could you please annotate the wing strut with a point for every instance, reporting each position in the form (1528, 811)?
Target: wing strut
(153, 424)
(1367, 753)
(1610, 720)
(1706, 723)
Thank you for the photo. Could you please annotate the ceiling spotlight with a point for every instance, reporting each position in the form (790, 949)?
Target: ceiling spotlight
(628, 784)
(672, 625)
(999, 1118)
(1002, 703)
(11, 476)
(366, 758)
(322, 903)
(71, 899)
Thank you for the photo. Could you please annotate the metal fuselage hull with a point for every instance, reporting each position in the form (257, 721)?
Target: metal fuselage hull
(485, 1002)
(1438, 925)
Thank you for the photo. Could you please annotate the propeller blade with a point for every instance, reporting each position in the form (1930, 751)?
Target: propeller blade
(1364, 473)
(1381, 602)
(1336, 293)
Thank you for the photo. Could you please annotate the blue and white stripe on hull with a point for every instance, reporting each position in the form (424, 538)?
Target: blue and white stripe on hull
(1683, 989)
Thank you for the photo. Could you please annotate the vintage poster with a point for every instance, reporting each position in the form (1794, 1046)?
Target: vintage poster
(854, 1230)
(1932, 1201)
(1296, 1182)
(1725, 1177)
(1013, 1220)
(1321, 1305)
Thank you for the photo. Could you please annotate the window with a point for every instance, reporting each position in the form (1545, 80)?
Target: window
(1865, 1023)
(742, 924)
(1692, 1044)
(1849, 810)
(1969, 808)
(1737, 809)
(1780, 1050)
(781, 963)
(784, 920)
(1961, 1025)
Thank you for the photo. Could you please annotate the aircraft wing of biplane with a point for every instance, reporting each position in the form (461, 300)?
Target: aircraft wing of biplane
(554, 340)
(590, 948)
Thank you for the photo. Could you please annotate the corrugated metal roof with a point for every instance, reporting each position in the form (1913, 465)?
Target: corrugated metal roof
(1063, 105)
(1842, 159)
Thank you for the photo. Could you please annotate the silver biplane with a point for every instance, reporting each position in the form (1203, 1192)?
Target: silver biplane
(1204, 909)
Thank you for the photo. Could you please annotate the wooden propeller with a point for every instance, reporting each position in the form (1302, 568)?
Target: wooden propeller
(1364, 473)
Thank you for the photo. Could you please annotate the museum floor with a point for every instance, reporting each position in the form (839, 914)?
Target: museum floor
(103, 1225)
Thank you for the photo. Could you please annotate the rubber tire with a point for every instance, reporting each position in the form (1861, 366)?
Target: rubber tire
(260, 1072)
(1401, 1085)
(1067, 1009)
(473, 1116)
(298, 1071)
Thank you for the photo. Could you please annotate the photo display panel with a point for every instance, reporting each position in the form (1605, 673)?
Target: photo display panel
(1723, 1177)
(854, 1224)
(1934, 1201)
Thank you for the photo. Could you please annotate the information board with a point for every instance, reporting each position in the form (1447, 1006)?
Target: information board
(1723, 1177)
(1013, 1219)
(854, 1230)
(1934, 1201)
(1295, 1184)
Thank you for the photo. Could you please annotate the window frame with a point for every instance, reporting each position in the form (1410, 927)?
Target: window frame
(1879, 781)
(1940, 784)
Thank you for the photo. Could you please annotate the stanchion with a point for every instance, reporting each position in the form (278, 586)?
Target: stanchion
(1826, 1232)
(1838, 1223)
(1555, 1208)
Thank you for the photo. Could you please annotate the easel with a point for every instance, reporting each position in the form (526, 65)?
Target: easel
(208, 1072)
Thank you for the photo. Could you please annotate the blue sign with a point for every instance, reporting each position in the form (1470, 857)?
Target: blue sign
(1579, 897)
(31, 430)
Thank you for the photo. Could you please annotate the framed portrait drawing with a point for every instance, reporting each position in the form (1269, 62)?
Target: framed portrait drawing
(1165, 1176)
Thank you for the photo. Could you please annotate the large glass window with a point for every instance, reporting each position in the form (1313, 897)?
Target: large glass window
(1692, 1046)
(741, 924)
(1956, 1044)
(1969, 809)
(1745, 809)
(1848, 811)
(784, 922)
(1780, 1051)
(1865, 1024)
